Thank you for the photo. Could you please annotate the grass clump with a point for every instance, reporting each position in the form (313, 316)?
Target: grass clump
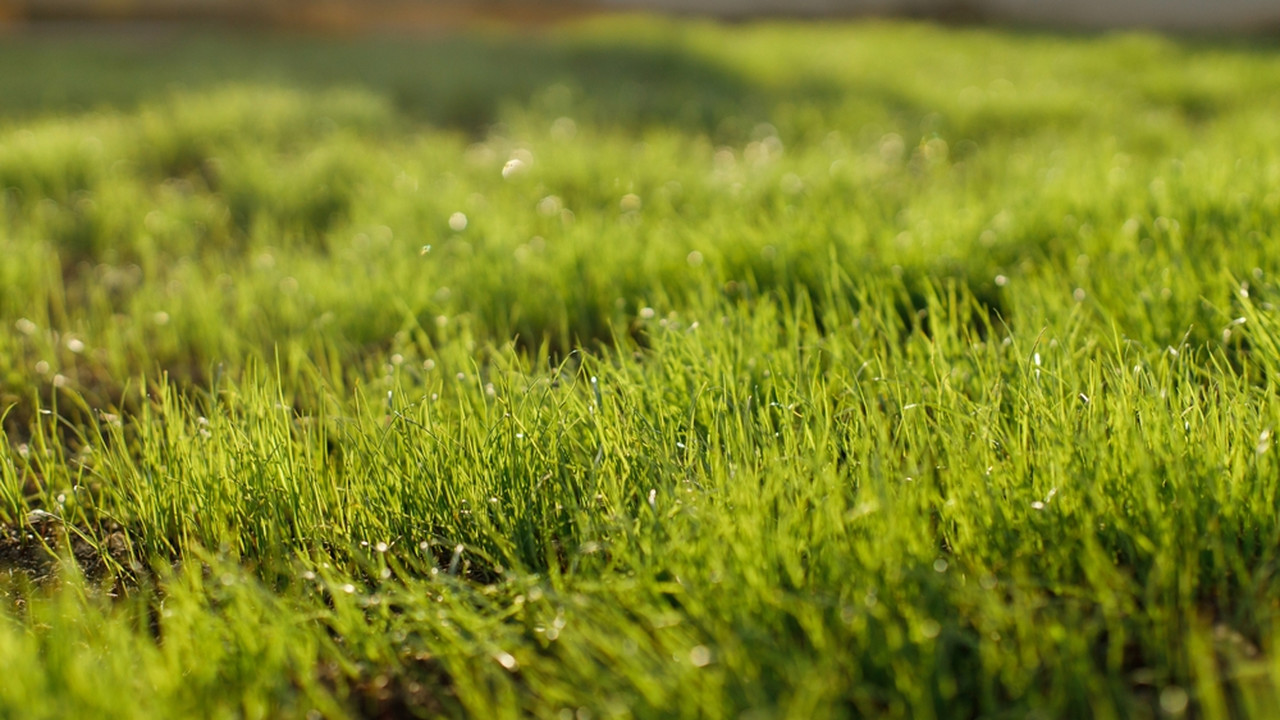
(640, 370)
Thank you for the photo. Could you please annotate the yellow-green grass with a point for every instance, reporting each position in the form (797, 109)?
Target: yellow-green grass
(639, 368)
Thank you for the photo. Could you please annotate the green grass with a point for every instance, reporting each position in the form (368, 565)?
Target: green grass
(797, 371)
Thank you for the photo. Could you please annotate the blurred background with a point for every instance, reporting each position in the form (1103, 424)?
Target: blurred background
(1253, 16)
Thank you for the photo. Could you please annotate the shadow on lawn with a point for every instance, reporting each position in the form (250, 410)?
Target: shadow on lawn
(652, 77)
(457, 81)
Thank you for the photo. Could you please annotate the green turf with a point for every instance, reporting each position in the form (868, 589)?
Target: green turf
(639, 369)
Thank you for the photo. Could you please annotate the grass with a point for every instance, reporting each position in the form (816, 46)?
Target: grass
(640, 369)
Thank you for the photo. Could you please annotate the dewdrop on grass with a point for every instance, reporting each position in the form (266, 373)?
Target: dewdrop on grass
(564, 129)
(517, 165)
(550, 206)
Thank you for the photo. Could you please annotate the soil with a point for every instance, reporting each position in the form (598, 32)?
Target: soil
(39, 547)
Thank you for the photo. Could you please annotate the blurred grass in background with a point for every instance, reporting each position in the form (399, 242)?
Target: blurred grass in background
(640, 368)
(326, 15)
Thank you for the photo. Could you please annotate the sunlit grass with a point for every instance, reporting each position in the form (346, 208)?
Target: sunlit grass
(640, 369)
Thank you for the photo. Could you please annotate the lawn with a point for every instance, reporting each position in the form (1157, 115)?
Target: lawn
(639, 368)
